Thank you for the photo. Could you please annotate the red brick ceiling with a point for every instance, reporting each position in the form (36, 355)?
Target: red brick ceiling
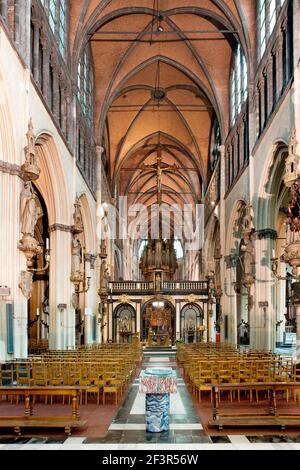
(194, 76)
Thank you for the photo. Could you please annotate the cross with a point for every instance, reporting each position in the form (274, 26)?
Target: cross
(158, 168)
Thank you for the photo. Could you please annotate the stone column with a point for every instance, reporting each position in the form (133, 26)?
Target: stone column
(18, 19)
(3, 10)
(46, 61)
(36, 44)
(298, 334)
(284, 53)
(251, 115)
(138, 317)
(263, 317)
(205, 322)
(13, 261)
(90, 298)
(178, 332)
(279, 65)
(62, 319)
(296, 50)
(257, 113)
(232, 162)
(261, 86)
(110, 321)
(270, 84)
(55, 98)
(241, 132)
(222, 220)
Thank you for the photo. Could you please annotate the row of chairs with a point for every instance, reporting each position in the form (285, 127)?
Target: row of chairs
(103, 372)
(205, 366)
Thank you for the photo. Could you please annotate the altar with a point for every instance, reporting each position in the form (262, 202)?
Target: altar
(158, 339)
(158, 327)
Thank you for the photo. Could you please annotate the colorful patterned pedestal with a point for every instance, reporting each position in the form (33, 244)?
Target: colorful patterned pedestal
(157, 412)
(158, 384)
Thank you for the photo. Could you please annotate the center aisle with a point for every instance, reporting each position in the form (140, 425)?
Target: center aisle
(129, 423)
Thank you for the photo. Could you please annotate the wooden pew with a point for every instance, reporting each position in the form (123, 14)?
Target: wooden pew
(28, 420)
(270, 418)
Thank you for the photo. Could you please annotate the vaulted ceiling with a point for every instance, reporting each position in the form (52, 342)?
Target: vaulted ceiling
(161, 88)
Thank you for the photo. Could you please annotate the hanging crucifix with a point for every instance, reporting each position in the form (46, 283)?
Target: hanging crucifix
(158, 168)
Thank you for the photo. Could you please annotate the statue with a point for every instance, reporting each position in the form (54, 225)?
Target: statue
(294, 208)
(76, 256)
(157, 282)
(248, 258)
(29, 210)
(104, 276)
(78, 225)
(31, 170)
(125, 326)
(103, 251)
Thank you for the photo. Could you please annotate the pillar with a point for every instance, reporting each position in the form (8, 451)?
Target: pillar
(62, 313)
(262, 314)
(296, 51)
(279, 65)
(90, 299)
(13, 261)
(222, 220)
(36, 44)
(55, 97)
(3, 10)
(241, 132)
(298, 334)
(262, 101)
(138, 317)
(257, 114)
(110, 321)
(270, 84)
(46, 61)
(178, 332)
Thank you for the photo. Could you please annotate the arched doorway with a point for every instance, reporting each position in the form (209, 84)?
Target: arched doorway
(158, 320)
(38, 304)
(124, 323)
(191, 323)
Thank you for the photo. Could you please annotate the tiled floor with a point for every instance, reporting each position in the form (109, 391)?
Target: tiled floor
(127, 430)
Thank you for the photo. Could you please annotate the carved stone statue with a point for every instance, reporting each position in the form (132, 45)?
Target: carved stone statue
(76, 256)
(29, 210)
(157, 282)
(104, 276)
(30, 168)
(103, 250)
(248, 257)
(77, 218)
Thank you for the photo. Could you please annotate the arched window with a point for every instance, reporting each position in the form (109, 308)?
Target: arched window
(85, 85)
(56, 11)
(143, 244)
(268, 11)
(238, 84)
(178, 248)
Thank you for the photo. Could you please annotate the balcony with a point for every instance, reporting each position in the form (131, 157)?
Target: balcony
(168, 287)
